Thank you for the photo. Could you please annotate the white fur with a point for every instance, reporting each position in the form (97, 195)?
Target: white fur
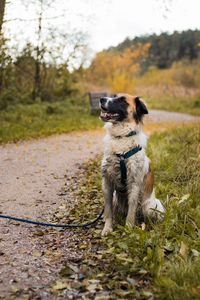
(137, 167)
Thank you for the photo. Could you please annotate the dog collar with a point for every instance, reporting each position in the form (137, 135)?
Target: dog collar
(129, 134)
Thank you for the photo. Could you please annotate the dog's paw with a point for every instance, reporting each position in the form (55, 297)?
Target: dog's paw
(159, 205)
(160, 210)
(130, 224)
(106, 230)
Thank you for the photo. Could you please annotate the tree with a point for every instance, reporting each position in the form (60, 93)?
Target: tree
(43, 69)
(2, 11)
(118, 70)
(72, 43)
(39, 51)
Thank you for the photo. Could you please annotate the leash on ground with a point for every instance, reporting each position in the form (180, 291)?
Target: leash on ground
(54, 225)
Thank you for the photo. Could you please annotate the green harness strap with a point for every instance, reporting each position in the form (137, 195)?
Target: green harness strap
(123, 164)
(129, 134)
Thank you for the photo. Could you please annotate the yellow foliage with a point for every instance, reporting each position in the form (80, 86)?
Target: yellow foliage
(118, 70)
(121, 82)
(181, 73)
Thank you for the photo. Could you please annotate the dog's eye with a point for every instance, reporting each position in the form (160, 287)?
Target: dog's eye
(122, 99)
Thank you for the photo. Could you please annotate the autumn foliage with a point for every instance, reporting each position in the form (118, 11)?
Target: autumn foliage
(117, 70)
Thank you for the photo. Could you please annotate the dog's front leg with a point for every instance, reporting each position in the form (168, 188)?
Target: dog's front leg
(108, 206)
(133, 196)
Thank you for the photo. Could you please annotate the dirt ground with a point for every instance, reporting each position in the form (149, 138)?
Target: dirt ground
(33, 175)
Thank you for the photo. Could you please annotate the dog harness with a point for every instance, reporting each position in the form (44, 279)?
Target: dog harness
(123, 157)
(129, 134)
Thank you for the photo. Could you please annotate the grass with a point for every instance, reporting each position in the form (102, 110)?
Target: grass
(21, 122)
(171, 98)
(186, 105)
(153, 261)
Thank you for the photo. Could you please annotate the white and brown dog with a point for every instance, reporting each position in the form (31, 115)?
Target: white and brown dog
(127, 177)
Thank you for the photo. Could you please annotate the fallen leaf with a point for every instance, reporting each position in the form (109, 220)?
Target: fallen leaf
(195, 252)
(82, 246)
(195, 291)
(14, 289)
(67, 271)
(37, 254)
(183, 249)
(21, 251)
(61, 286)
(185, 197)
(92, 287)
(143, 226)
(38, 233)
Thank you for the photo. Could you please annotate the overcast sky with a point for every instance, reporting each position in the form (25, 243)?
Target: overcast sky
(108, 22)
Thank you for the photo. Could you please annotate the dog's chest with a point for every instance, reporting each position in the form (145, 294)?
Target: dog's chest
(135, 165)
(111, 169)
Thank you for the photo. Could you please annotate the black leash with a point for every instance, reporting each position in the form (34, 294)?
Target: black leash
(51, 224)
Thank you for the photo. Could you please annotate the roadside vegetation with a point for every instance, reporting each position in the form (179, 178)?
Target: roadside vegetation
(21, 122)
(150, 261)
(40, 96)
(177, 98)
(172, 89)
(163, 69)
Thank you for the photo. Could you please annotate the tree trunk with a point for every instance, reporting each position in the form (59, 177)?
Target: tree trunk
(2, 11)
(37, 79)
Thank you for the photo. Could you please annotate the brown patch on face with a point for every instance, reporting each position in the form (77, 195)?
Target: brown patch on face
(130, 100)
(132, 105)
(136, 109)
(148, 182)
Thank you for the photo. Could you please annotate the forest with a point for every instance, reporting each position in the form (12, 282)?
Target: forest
(166, 48)
(38, 81)
(35, 74)
(143, 59)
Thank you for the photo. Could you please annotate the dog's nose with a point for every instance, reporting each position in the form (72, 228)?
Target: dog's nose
(103, 100)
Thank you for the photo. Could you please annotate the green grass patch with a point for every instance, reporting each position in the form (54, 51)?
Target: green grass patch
(20, 122)
(182, 104)
(160, 261)
(170, 97)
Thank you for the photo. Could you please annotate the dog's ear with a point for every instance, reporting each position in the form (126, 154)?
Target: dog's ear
(141, 109)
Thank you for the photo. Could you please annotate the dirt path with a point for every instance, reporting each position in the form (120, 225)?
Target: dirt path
(32, 176)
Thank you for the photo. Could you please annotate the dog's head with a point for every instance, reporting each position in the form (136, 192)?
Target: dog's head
(122, 108)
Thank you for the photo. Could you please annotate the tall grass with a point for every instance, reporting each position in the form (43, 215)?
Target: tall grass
(171, 98)
(173, 89)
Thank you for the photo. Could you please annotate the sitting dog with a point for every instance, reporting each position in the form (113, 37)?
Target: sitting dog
(127, 177)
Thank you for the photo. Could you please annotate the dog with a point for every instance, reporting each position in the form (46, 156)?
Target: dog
(127, 176)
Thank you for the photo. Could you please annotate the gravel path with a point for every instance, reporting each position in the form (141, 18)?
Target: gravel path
(159, 116)
(32, 175)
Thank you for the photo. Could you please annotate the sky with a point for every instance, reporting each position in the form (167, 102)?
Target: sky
(105, 22)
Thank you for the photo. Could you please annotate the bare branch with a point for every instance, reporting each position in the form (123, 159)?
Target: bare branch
(35, 19)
